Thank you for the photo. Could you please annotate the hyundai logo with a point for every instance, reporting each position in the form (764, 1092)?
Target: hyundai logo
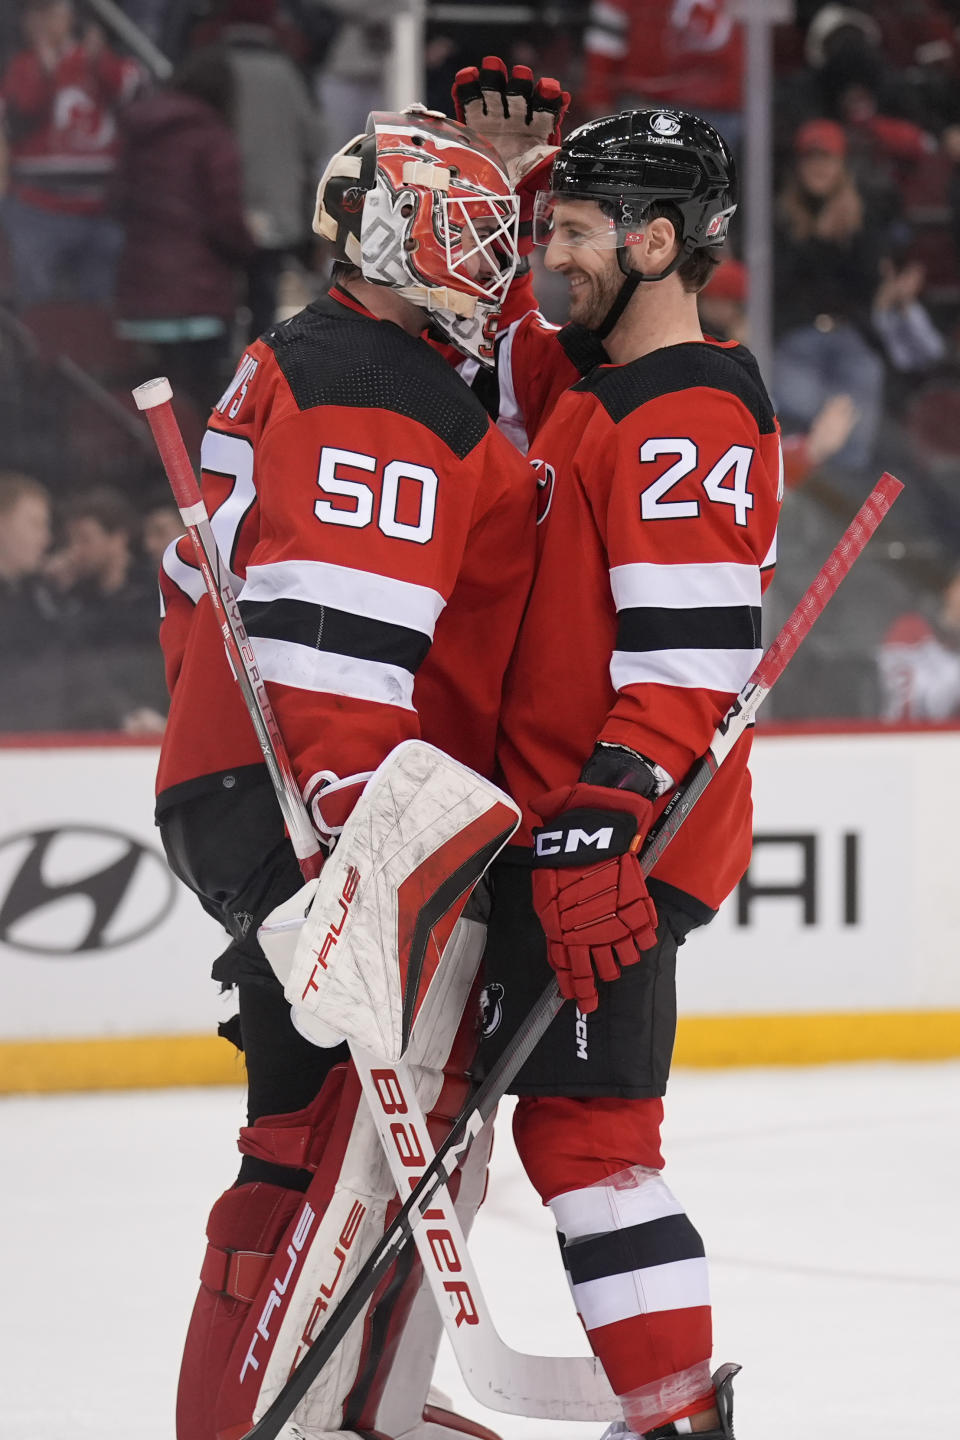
(78, 888)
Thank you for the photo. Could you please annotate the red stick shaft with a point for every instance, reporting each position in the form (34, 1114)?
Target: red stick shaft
(834, 568)
(154, 398)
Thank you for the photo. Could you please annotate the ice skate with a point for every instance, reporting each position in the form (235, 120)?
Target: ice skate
(439, 1422)
(723, 1383)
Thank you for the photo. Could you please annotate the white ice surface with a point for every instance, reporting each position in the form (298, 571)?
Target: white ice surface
(829, 1200)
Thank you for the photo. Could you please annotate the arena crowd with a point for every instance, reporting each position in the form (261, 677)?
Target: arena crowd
(153, 222)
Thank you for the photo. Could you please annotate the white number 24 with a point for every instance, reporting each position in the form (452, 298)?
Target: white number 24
(726, 484)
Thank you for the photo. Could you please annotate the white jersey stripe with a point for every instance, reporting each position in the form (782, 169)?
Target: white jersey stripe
(601, 42)
(678, 1285)
(509, 416)
(375, 597)
(283, 663)
(684, 587)
(598, 1209)
(726, 670)
(186, 577)
(771, 556)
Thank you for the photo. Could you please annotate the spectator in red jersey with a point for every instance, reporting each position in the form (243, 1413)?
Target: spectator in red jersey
(179, 193)
(684, 53)
(919, 663)
(58, 98)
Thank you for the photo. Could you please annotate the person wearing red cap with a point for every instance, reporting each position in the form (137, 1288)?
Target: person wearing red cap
(820, 137)
(826, 271)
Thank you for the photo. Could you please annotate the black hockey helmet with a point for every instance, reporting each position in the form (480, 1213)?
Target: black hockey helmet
(629, 162)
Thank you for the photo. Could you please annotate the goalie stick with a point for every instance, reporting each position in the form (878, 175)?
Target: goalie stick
(554, 1387)
(155, 398)
(485, 1099)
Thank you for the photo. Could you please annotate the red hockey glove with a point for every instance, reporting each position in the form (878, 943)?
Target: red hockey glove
(588, 888)
(521, 119)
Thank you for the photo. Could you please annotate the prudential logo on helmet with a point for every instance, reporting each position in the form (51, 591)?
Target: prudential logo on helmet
(664, 124)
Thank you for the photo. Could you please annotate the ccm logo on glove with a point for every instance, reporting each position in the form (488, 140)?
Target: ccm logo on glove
(577, 836)
(588, 885)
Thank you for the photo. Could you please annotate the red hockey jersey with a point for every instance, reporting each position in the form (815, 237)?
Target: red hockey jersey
(668, 52)
(62, 127)
(380, 535)
(660, 489)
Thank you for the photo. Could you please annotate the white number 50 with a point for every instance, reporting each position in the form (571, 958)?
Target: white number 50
(363, 496)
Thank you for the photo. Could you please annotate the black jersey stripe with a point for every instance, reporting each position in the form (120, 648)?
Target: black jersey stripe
(710, 627)
(321, 627)
(637, 1247)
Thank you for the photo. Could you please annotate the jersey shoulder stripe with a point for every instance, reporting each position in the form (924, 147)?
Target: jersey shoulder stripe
(330, 355)
(621, 389)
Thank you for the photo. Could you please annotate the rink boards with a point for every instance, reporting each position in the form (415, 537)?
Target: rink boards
(841, 943)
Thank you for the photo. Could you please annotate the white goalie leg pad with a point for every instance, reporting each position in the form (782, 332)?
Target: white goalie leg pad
(354, 1219)
(417, 841)
(401, 1411)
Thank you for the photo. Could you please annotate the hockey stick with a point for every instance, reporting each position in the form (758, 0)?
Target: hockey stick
(154, 398)
(554, 1387)
(485, 1099)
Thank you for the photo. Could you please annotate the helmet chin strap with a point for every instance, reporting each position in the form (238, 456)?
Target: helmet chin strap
(632, 279)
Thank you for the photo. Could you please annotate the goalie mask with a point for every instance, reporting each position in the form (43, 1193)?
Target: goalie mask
(422, 204)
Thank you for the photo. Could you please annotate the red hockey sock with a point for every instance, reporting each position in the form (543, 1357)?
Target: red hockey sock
(634, 1261)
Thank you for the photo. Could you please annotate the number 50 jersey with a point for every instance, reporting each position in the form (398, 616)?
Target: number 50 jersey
(379, 533)
(660, 483)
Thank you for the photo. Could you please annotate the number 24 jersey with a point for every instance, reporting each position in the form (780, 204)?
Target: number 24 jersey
(660, 483)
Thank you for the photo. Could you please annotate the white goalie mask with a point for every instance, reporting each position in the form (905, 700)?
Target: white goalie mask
(421, 204)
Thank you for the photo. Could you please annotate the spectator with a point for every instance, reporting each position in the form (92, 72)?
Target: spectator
(58, 98)
(723, 302)
(826, 274)
(684, 53)
(278, 133)
(723, 316)
(161, 526)
(28, 611)
(910, 339)
(919, 663)
(179, 195)
(111, 599)
(31, 630)
(353, 82)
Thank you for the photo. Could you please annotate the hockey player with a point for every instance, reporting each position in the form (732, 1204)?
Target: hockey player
(660, 477)
(369, 513)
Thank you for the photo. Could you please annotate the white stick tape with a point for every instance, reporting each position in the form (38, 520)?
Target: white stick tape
(153, 393)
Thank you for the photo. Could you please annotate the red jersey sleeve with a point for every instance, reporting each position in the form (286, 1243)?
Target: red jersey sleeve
(685, 493)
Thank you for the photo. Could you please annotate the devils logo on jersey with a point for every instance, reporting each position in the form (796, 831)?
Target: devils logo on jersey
(491, 1009)
(546, 479)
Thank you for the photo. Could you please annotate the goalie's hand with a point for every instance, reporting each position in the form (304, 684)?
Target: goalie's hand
(519, 116)
(597, 916)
